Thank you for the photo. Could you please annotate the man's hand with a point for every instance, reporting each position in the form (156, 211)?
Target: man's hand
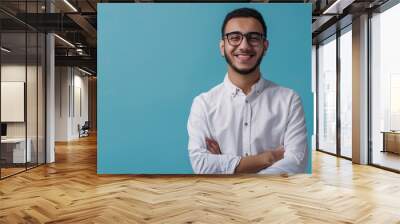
(272, 156)
(212, 146)
(255, 163)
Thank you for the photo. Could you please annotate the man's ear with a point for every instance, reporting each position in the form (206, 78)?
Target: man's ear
(266, 45)
(222, 48)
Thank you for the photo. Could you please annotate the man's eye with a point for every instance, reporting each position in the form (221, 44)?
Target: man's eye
(236, 37)
(255, 38)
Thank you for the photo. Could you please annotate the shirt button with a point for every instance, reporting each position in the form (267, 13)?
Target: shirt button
(245, 123)
(246, 101)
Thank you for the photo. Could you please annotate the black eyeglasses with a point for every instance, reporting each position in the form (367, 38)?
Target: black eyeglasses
(254, 39)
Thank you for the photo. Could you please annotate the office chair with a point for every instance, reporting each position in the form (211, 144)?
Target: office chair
(84, 130)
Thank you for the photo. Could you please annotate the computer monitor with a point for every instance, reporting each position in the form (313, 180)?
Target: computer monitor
(3, 129)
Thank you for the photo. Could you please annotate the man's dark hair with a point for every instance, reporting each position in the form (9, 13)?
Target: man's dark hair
(244, 12)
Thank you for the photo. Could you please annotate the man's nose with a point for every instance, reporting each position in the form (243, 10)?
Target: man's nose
(244, 44)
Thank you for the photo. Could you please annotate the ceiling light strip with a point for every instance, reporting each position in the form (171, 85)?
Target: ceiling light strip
(5, 49)
(84, 71)
(70, 5)
(65, 41)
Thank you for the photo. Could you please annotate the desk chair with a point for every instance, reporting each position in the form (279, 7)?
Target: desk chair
(84, 130)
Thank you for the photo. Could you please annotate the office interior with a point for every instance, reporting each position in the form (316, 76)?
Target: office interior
(49, 75)
(357, 86)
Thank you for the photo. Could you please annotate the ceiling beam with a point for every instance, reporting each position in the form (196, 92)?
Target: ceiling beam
(83, 61)
(86, 26)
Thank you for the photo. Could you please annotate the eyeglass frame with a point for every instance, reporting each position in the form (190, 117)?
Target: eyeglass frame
(263, 37)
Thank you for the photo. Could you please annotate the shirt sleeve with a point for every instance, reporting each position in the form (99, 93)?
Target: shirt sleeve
(295, 142)
(204, 162)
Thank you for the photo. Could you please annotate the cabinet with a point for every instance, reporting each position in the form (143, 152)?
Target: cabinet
(391, 141)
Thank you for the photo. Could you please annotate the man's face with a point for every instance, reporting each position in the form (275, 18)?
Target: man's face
(246, 57)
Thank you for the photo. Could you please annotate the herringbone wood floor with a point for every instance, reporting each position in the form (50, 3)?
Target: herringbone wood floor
(70, 191)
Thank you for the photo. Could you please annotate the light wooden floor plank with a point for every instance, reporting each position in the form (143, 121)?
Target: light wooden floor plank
(70, 191)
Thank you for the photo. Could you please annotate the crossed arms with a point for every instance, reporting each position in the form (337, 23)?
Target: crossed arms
(206, 156)
(250, 164)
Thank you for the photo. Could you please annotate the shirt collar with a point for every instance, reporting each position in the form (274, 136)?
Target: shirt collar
(233, 90)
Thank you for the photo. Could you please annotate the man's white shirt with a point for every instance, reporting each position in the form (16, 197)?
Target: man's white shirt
(269, 116)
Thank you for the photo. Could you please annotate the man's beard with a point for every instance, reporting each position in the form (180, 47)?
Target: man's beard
(243, 71)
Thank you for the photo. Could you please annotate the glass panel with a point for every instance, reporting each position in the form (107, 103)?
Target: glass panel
(31, 100)
(41, 99)
(31, 86)
(385, 84)
(13, 86)
(327, 95)
(346, 93)
(22, 88)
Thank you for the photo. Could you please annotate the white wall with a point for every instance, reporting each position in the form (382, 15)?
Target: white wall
(71, 87)
(79, 111)
(16, 72)
(9, 73)
(62, 81)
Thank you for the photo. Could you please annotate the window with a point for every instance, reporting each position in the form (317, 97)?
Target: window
(385, 88)
(327, 95)
(346, 92)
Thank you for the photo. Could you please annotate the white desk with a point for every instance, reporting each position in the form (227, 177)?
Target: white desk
(18, 150)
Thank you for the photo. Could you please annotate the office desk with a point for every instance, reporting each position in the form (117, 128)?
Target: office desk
(13, 150)
(391, 141)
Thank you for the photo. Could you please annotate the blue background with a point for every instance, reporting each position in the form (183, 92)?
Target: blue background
(153, 59)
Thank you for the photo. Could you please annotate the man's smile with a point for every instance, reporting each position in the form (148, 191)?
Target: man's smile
(243, 57)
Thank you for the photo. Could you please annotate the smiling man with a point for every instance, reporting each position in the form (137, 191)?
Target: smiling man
(246, 124)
